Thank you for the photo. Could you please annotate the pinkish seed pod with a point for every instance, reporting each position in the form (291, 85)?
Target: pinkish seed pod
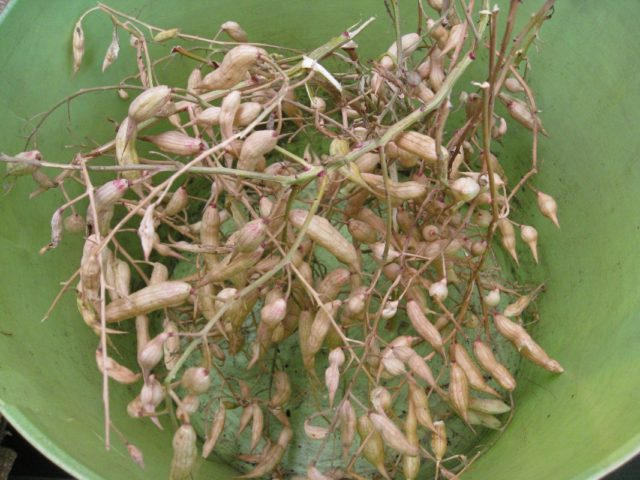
(250, 236)
(136, 454)
(196, 380)
(392, 435)
(152, 352)
(234, 30)
(147, 231)
(258, 144)
(176, 142)
(234, 67)
(178, 202)
(508, 237)
(529, 236)
(74, 224)
(149, 103)
(548, 207)
(455, 38)
(273, 313)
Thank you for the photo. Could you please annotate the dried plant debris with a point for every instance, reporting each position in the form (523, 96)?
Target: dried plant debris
(321, 283)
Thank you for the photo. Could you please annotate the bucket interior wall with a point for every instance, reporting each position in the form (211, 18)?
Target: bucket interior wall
(574, 426)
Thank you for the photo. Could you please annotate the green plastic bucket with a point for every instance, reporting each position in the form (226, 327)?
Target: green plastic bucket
(578, 425)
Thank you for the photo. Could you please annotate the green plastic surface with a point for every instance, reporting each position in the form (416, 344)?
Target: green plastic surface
(575, 426)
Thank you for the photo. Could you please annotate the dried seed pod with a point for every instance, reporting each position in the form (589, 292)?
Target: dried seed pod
(228, 110)
(74, 223)
(281, 390)
(171, 347)
(500, 129)
(439, 290)
(419, 400)
(465, 189)
(392, 435)
(417, 365)
(484, 419)
(176, 142)
(398, 191)
(118, 372)
(148, 299)
(392, 365)
(326, 235)
(332, 283)
(273, 313)
(320, 326)
(136, 454)
(373, 449)
(508, 237)
(272, 455)
(459, 391)
(476, 381)
(516, 308)
(234, 67)
(151, 395)
(257, 425)
(165, 35)
(196, 380)
(439, 440)
(438, 33)
(488, 361)
(424, 327)
(411, 465)
(258, 144)
(521, 113)
(483, 218)
(215, 430)
(185, 452)
(455, 38)
(409, 43)
(529, 236)
(421, 145)
(389, 309)
(152, 353)
(347, 418)
(149, 103)
(187, 407)
(314, 432)
(147, 231)
(490, 406)
(436, 74)
(513, 85)
(548, 207)
(361, 231)
(381, 399)
(492, 298)
(234, 30)
(113, 49)
(177, 203)
(77, 44)
(250, 236)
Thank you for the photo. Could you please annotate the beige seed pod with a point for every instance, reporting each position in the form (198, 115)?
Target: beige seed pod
(254, 148)
(361, 231)
(409, 43)
(424, 327)
(164, 35)
(516, 308)
(421, 145)
(234, 30)
(508, 329)
(488, 361)
(465, 189)
(171, 347)
(369, 217)
(77, 43)
(149, 103)
(320, 326)
(417, 365)
(508, 237)
(118, 372)
(424, 68)
(332, 283)
(455, 38)
(492, 298)
(439, 440)
(196, 380)
(148, 299)
(176, 142)
(500, 129)
(228, 110)
(438, 33)
(245, 418)
(389, 309)
(281, 390)
(459, 355)
(113, 49)
(483, 218)
(521, 113)
(392, 435)
(136, 454)
(187, 407)
(411, 465)
(347, 418)
(327, 236)
(513, 85)
(373, 449)
(250, 236)
(439, 290)
(314, 432)
(178, 202)
(151, 354)
(489, 406)
(234, 67)
(147, 231)
(74, 224)
(257, 425)
(398, 191)
(392, 365)
(436, 74)
(459, 391)
(534, 352)
(105, 197)
(529, 236)
(272, 455)
(314, 474)
(215, 430)
(185, 452)
(548, 207)
(381, 399)
(419, 400)
(273, 313)
(484, 419)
